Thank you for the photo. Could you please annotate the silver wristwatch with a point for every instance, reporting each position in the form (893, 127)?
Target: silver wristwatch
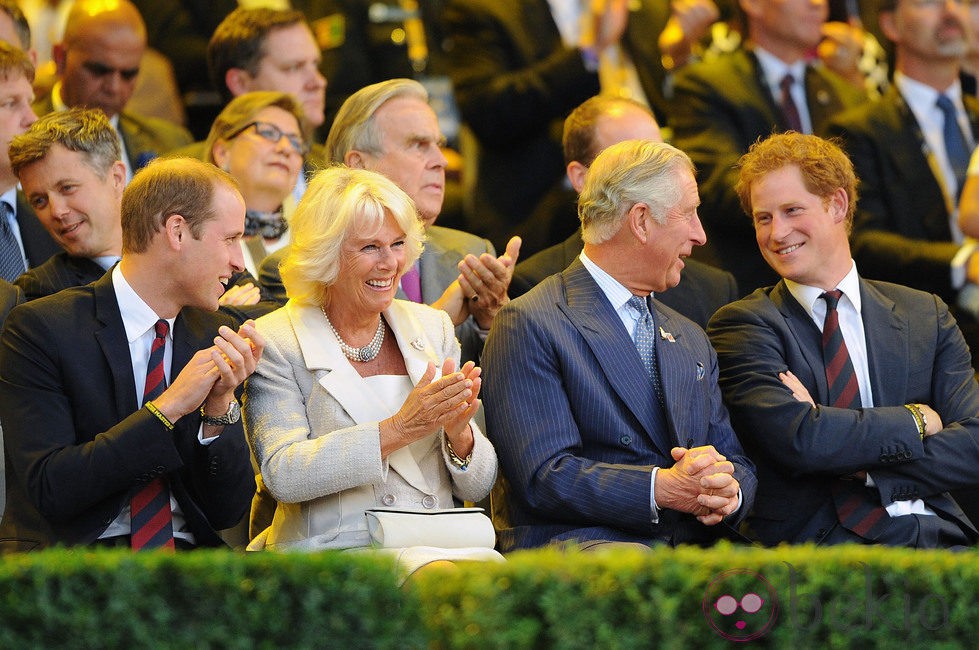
(232, 416)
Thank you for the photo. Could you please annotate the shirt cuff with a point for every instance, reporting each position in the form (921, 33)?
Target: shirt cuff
(653, 508)
(205, 441)
(960, 260)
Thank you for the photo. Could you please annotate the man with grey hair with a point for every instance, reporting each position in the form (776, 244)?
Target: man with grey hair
(602, 403)
(389, 128)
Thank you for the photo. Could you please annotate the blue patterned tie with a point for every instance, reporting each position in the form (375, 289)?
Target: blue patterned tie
(955, 145)
(11, 259)
(645, 340)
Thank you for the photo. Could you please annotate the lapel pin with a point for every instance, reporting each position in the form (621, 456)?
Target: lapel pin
(666, 336)
(700, 371)
(418, 344)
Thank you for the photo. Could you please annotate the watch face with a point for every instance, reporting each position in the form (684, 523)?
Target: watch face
(234, 413)
(231, 417)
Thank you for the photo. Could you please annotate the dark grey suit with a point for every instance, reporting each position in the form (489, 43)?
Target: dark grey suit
(916, 354)
(570, 411)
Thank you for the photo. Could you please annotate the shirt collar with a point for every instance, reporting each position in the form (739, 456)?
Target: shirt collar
(10, 198)
(614, 290)
(137, 316)
(807, 296)
(922, 97)
(774, 68)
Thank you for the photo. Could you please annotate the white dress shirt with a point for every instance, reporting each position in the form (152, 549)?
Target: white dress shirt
(851, 325)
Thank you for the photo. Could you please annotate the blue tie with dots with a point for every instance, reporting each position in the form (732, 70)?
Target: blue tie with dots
(645, 340)
(11, 259)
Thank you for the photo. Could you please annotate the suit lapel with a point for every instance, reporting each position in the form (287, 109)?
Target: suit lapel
(747, 58)
(436, 275)
(915, 163)
(676, 381)
(595, 319)
(111, 337)
(887, 345)
(821, 98)
(344, 383)
(806, 335)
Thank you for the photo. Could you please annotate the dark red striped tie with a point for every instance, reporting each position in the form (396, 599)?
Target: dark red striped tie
(844, 392)
(789, 108)
(856, 505)
(152, 521)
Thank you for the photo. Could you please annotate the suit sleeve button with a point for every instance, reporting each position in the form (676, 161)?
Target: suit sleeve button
(626, 440)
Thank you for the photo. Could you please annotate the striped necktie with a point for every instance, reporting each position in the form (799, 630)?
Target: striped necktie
(844, 391)
(789, 109)
(152, 520)
(857, 506)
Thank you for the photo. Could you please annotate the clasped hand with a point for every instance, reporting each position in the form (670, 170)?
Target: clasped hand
(481, 288)
(212, 374)
(448, 403)
(701, 482)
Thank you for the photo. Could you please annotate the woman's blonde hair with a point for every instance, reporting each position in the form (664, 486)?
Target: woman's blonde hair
(341, 202)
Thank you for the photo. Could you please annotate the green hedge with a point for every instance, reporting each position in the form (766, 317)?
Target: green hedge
(842, 597)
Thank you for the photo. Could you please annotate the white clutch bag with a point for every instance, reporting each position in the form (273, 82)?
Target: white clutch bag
(452, 528)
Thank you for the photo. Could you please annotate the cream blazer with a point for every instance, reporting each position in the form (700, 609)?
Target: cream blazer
(312, 424)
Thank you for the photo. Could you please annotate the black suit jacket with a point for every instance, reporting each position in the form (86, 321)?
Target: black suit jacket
(702, 289)
(38, 244)
(77, 442)
(901, 227)
(515, 83)
(719, 109)
(59, 272)
(64, 271)
(916, 354)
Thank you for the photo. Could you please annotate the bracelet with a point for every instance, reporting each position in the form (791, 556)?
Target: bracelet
(461, 463)
(151, 407)
(919, 418)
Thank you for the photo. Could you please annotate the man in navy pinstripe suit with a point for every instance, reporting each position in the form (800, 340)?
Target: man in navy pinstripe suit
(596, 446)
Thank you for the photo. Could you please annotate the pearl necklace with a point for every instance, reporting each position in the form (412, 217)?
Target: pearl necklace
(364, 354)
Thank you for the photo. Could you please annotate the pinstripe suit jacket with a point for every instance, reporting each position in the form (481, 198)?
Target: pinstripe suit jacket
(570, 411)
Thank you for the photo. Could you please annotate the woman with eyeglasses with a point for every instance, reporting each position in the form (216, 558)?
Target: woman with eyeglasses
(260, 139)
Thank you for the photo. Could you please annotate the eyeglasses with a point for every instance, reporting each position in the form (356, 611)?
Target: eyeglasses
(273, 134)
